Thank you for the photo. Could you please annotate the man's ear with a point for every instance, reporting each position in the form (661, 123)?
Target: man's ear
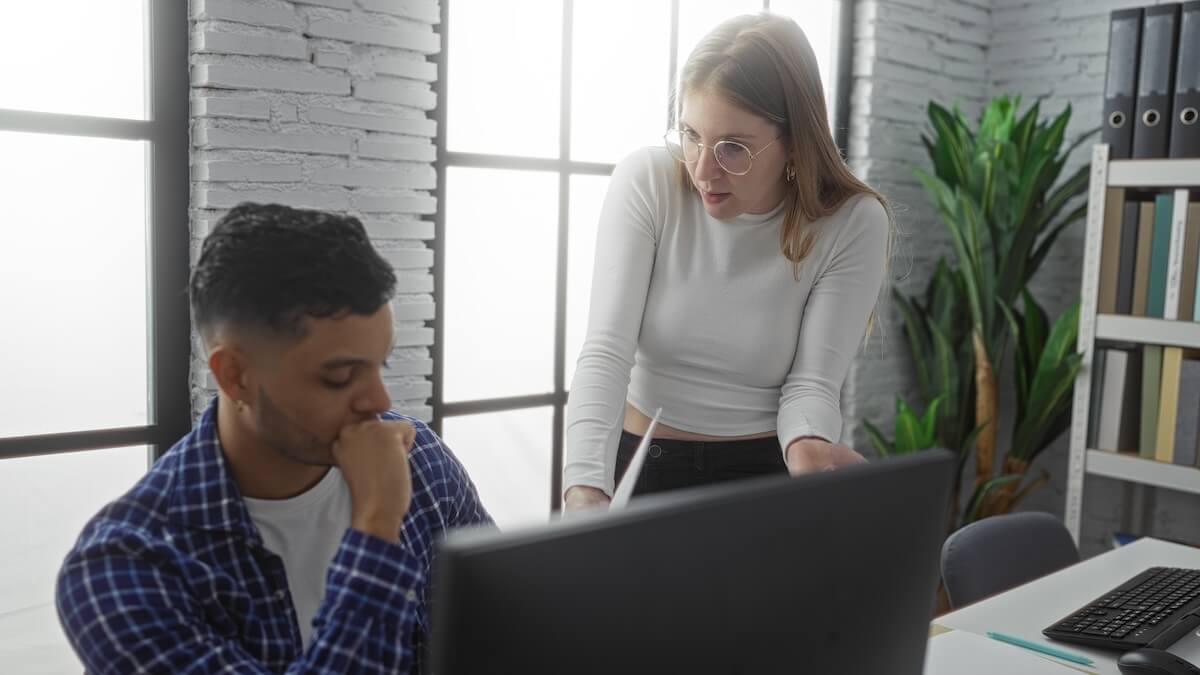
(230, 366)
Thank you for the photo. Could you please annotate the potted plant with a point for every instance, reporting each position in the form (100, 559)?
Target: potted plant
(996, 189)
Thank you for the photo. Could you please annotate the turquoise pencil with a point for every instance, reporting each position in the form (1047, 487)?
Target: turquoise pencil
(1037, 647)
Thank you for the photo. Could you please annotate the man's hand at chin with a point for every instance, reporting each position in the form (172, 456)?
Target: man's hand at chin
(373, 458)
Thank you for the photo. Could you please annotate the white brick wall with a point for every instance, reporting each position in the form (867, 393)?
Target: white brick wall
(967, 51)
(905, 53)
(325, 104)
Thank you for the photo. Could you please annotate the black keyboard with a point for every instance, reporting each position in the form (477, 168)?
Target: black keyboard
(1161, 604)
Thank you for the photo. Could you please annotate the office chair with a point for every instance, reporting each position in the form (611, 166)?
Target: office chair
(1002, 552)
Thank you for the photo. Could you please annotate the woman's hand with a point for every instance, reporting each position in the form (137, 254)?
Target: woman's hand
(806, 455)
(579, 497)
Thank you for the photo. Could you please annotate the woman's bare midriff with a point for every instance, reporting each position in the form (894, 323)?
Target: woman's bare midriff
(637, 422)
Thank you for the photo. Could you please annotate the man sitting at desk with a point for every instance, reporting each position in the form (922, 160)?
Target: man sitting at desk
(292, 528)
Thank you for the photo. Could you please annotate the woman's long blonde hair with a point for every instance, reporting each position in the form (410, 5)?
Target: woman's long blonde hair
(764, 64)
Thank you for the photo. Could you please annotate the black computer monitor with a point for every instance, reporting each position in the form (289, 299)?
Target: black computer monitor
(828, 573)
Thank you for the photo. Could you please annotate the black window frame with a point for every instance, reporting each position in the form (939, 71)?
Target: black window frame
(565, 167)
(168, 193)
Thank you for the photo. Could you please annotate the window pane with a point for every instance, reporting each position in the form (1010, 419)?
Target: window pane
(587, 196)
(501, 255)
(64, 491)
(504, 63)
(698, 17)
(507, 455)
(74, 56)
(618, 96)
(819, 19)
(72, 283)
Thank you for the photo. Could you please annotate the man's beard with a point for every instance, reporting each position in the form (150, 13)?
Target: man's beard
(288, 437)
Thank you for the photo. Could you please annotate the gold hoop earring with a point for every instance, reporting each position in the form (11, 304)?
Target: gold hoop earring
(789, 172)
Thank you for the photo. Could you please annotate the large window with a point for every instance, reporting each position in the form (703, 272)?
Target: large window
(539, 99)
(93, 274)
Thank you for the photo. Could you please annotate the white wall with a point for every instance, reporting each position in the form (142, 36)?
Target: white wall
(324, 104)
(906, 52)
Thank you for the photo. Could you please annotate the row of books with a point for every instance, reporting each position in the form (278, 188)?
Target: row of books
(1150, 256)
(1152, 86)
(1146, 401)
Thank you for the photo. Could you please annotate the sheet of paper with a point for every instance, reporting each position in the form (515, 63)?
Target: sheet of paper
(961, 653)
(624, 491)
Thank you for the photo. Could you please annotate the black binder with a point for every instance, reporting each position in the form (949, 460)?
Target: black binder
(1120, 84)
(1185, 125)
(1127, 262)
(1156, 80)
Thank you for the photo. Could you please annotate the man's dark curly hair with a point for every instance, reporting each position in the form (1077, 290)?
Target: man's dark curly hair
(267, 266)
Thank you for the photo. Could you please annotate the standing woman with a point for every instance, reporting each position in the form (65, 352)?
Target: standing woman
(736, 273)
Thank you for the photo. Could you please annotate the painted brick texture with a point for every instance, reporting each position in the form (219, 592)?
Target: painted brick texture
(324, 104)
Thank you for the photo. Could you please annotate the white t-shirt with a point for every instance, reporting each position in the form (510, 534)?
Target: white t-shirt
(706, 319)
(305, 532)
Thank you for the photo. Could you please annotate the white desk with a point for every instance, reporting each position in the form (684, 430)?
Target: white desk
(1024, 611)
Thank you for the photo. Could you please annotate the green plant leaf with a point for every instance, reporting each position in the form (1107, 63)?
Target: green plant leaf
(1035, 326)
(968, 442)
(1023, 131)
(1050, 407)
(1049, 396)
(919, 346)
(1083, 137)
(951, 141)
(929, 422)
(946, 365)
(1074, 186)
(881, 444)
(907, 437)
(1019, 365)
(1044, 247)
(972, 512)
(1062, 339)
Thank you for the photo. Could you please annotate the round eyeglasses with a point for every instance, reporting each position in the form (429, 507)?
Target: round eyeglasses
(734, 158)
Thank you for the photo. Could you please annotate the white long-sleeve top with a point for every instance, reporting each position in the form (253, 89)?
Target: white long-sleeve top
(706, 318)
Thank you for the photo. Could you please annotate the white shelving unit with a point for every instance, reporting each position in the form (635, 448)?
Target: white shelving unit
(1144, 471)
(1119, 328)
(1153, 173)
(1159, 174)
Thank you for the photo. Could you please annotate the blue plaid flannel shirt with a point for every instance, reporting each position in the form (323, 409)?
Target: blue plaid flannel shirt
(173, 577)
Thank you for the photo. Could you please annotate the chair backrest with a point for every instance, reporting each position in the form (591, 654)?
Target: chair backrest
(1002, 552)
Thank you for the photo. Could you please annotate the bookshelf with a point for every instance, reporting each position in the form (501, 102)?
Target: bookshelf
(1144, 471)
(1153, 173)
(1161, 174)
(1118, 328)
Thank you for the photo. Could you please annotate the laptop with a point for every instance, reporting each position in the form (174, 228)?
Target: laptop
(833, 573)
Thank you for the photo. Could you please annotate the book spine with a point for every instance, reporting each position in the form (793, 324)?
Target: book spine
(1160, 247)
(1187, 416)
(1175, 255)
(1151, 388)
(1191, 263)
(1141, 273)
(1128, 260)
(1098, 401)
(1110, 250)
(1168, 401)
